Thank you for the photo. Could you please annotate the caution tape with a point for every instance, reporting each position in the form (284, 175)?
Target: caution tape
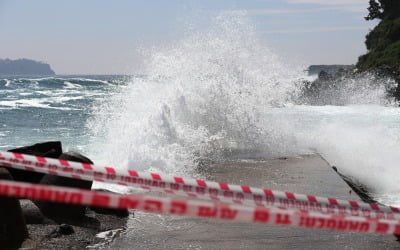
(88, 175)
(198, 188)
(200, 209)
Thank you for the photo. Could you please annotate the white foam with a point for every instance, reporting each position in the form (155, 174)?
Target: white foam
(69, 85)
(91, 80)
(8, 83)
(31, 103)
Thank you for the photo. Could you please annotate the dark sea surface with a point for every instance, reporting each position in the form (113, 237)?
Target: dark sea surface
(35, 109)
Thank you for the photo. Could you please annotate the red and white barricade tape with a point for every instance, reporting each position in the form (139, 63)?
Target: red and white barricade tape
(197, 208)
(198, 188)
(328, 209)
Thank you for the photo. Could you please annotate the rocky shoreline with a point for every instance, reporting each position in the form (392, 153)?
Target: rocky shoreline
(350, 86)
(26, 224)
(47, 233)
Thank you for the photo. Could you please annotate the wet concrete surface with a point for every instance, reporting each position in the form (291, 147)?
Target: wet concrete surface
(306, 174)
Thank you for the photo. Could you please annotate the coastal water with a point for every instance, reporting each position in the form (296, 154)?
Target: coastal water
(217, 95)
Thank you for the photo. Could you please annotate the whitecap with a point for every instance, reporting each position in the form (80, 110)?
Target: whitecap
(90, 80)
(70, 85)
(8, 83)
(32, 103)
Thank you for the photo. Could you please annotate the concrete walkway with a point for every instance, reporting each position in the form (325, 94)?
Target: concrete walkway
(307, 174)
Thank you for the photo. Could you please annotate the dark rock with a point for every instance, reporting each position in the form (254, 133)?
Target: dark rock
(52, 149)
(63, 229)
(360, 189)
(324, 75)
(73, 156)
(28, 244)
(66, 229)
(13, 230)
(33, 215)
(61, 210)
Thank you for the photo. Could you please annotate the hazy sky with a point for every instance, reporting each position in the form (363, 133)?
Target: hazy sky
(103, 37)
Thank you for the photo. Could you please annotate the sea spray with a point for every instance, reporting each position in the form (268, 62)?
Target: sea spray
(201, 99)
(362, 145)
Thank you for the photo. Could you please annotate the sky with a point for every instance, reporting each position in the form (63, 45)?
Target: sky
(106, 37)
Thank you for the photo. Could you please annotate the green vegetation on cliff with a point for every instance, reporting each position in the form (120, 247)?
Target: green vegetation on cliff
(383, 42)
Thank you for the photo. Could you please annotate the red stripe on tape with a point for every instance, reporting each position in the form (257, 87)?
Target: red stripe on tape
(64, 163)
(202, 209)
(224, 186)
(41, 159)
(246, 189)
(87, 166)
(202, 188)
(311, 198)
(179, 180)
(18, 156)
(268, 192)
(333, 201)
(354, 204)
(201, 183)
(374, 206)
(133, 173)
(109, 170)
(156, 177)
(394, 209)
(290, 195)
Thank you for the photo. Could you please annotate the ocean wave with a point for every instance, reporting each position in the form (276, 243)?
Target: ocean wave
(55, 82)
(70, 85)
(35, 103)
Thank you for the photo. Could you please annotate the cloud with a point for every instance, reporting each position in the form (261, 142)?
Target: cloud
(261, 12)
(315, 30)
(348, 5)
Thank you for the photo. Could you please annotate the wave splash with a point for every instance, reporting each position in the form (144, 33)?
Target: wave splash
(201, 99)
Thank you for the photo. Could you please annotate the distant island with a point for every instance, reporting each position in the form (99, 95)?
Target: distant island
(24, 67)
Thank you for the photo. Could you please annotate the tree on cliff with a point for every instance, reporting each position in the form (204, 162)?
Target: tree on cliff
(383, 9)
(383, 42)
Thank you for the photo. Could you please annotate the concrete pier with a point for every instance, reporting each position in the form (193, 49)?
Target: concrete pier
(306, 174)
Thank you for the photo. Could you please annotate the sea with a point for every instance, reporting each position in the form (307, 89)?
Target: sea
(213, 96)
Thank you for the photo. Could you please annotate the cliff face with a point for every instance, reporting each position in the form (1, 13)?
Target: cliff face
(383, 42)
(330, 69)
(24, 67)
